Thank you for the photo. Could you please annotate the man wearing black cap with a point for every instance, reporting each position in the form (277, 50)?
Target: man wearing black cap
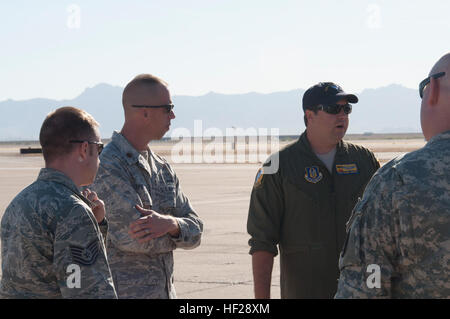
(304, 205)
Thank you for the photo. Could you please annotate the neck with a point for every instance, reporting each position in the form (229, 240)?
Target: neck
(318, 144)
(68, 168)
(135, 137)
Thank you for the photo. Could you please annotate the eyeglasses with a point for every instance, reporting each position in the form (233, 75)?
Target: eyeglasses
(168, 107)
(100, 145)
(425, 82)
(335, 109)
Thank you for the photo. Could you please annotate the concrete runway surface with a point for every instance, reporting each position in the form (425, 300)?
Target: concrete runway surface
(220, 268)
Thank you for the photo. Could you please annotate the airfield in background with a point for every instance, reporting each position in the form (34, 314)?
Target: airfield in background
(221, 266)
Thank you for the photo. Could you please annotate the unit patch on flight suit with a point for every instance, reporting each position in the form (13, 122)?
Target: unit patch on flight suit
(313, 175)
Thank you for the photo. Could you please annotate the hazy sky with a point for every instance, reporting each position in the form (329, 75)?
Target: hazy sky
(55, 49)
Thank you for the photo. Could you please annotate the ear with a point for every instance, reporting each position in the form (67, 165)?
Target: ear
(309, 115)
(83, 151)
(433, 93)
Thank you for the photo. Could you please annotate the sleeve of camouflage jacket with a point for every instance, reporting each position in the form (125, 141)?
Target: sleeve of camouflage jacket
(265, 214)
(113, 185)
(78, 242)
(368, 259)
(104, 229)
(191, 226)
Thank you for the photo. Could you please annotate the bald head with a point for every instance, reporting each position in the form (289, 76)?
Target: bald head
(443, 65)
(435, 110)
(144, 124)
(144, 89)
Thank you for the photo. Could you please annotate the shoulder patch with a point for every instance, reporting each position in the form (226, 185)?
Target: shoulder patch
(85, 256)
(259, 178)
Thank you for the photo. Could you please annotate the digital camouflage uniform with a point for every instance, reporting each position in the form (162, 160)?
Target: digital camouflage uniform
(402, 225)
(303, 208)
(125, 178)
(47, 227)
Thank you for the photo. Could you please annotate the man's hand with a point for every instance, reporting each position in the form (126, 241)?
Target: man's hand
(97, 205)
(152, 225)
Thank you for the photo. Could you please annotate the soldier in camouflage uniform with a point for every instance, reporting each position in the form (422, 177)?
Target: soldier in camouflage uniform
(148, 214)
(51, 233)
(398, 243)
(302, 207)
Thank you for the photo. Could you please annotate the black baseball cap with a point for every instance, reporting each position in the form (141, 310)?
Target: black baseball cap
(326, 93)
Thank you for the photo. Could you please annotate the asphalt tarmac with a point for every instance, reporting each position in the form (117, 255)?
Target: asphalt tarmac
(220, 268)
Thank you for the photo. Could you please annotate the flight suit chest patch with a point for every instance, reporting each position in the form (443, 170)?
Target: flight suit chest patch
(346, 169)
(313, 174)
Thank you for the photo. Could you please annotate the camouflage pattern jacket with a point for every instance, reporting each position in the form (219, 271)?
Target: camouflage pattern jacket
(398, 242)
(126, 178)
(46, 231)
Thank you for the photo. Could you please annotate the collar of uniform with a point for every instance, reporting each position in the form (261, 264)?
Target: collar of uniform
(127, 151)
(440, 137)
(53, 175)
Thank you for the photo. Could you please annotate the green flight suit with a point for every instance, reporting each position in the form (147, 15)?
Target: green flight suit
(303, 209)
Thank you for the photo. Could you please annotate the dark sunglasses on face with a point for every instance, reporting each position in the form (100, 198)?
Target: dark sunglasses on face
(425, 82)
(335, 109)
(168, 107)
(99, 144)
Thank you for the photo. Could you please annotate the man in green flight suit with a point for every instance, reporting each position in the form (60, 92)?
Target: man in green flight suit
(303, 206)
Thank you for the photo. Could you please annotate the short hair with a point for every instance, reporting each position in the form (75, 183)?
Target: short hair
(142, 79)
(62, 125)
(305, 119)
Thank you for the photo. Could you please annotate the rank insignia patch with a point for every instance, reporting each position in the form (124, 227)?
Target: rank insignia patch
(313, 175)
(85, 256)
(346, 169)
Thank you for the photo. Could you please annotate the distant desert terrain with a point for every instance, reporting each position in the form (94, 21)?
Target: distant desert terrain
(221, 266)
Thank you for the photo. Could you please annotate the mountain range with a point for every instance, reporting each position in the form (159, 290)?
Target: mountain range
(390, 109)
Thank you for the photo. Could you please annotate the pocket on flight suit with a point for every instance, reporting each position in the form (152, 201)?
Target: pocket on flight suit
(301, 270)
(302, 219)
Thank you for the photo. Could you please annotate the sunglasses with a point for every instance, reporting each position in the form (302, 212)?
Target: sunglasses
(100, 145)
(168, 107)
(334, 89)
(425, 82)
(335, 109)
